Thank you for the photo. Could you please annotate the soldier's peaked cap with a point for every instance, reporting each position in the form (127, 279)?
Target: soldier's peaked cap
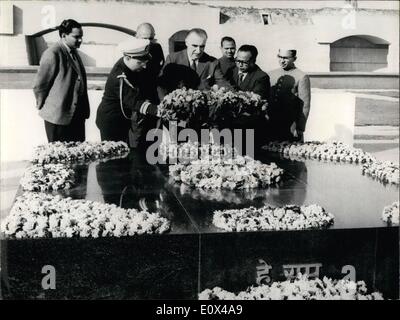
(134, 47)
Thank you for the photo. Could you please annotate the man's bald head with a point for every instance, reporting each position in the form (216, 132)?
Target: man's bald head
(145, 31)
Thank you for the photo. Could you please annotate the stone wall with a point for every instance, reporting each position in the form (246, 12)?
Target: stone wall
(309, 27)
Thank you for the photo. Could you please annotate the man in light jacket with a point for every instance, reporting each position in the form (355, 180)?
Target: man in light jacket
(290, 98)
(61, 87)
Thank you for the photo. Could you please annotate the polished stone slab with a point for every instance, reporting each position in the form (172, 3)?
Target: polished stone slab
(356, 200)
(235, 261)
(195, 255)
(145, 267)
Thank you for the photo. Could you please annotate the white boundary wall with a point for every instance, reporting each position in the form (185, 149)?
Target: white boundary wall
(331, 118)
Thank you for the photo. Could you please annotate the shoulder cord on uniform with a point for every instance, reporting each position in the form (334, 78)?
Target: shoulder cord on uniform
(122, 78)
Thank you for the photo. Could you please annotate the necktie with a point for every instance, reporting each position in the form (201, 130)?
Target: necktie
(73, 54)
(241, 77)
(193, 65)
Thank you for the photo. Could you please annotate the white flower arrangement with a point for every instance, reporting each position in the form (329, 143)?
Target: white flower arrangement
(386, 172)
(329, 151)
(234, 173)
(38, 215)
(48, 177)
(209, 107)
(229, 105)
(184, 104)
(65, 152)
(390, 213)
(290, 217)
(300, 288)
(219, 195)
(189, 151)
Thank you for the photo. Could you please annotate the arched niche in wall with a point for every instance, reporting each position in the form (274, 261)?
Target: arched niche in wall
(36, 43)
(359, 53)
(177, 41)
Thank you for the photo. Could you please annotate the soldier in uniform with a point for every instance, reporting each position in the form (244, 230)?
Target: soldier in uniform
(124, 109)
(289, 100)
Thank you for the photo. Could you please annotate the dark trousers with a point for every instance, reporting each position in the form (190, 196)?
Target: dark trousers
(114, 131)
(75, 131)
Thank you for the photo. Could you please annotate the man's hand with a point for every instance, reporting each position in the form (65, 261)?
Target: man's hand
(297, 134)
(293, 130)
(300, 136)
(158, 115)
(264, 109)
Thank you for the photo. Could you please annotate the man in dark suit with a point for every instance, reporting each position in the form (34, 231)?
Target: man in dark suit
(60, 87)
(192, 67)
(146, 31)
(247, 75)
(227, 61)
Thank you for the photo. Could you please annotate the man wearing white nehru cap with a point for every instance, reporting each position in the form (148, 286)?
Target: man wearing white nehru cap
(289, 99)
(126, 111)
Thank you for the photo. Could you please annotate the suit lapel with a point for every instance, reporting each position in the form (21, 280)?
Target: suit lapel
(244, 85)
(200, 67)
(69, 58)
(204, 60)
(235, 75)
(185, 59)
(82, 68)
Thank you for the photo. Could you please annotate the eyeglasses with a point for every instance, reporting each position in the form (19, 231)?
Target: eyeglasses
(246, 63)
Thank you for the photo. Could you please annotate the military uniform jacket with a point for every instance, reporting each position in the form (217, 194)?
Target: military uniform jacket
(132, 97)
(134, 102)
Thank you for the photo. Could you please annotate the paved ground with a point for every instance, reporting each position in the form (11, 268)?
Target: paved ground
(376, 112)
(377, 123)
(10, 174)
(381, 141)
(377, 108)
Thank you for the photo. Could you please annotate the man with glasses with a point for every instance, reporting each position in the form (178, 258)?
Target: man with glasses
(125, 107)
(192, 67)
(247, 75)
(290, 99)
